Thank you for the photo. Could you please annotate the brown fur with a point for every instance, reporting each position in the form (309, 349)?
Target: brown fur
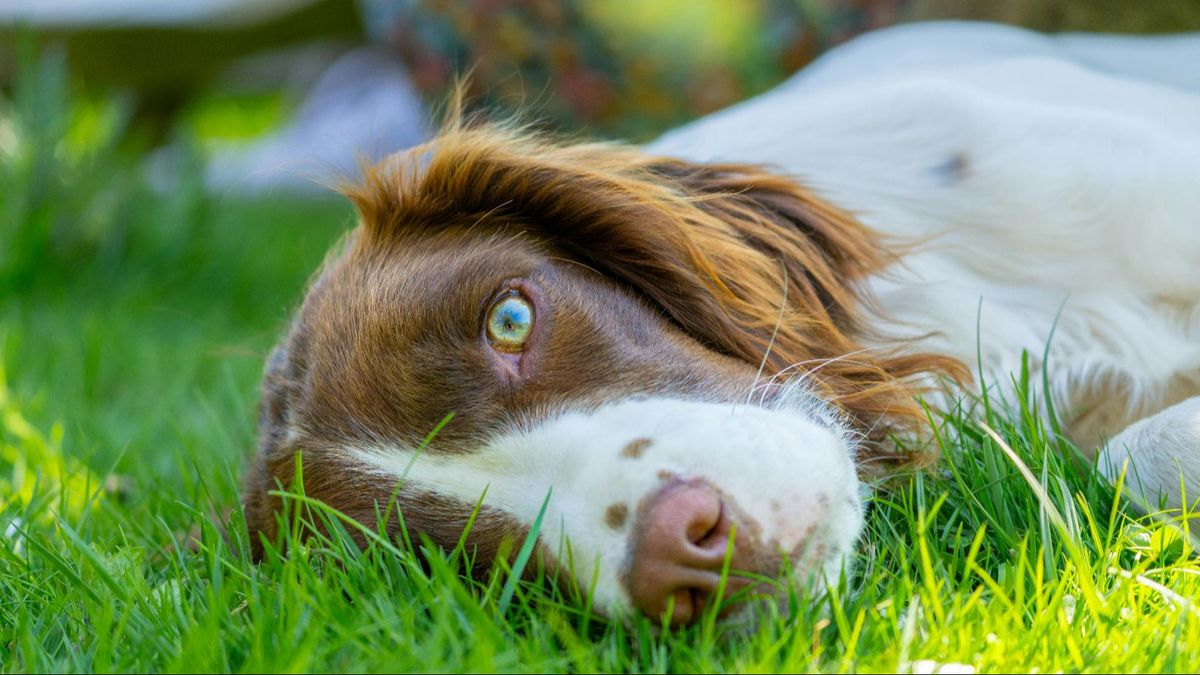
(709, 244)
(660, 275)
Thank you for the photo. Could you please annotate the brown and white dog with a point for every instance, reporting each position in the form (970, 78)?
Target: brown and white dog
(662, 350)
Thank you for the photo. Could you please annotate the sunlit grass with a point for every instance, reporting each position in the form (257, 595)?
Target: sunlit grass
(992, 561)
(35, 464)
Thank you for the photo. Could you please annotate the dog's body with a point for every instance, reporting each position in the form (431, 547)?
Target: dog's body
(655, 352)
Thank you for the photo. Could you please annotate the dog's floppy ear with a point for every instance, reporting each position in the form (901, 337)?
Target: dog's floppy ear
(277, 392)
(772, 238)
(754, 265)
(789, 289)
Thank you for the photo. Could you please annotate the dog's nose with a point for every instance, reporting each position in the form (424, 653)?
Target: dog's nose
(678, 549)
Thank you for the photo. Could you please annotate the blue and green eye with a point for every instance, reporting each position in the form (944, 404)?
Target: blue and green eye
(510, 322)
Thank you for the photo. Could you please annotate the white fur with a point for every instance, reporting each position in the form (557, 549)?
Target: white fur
(1041, 184)
(1154, 453)
(802, 473)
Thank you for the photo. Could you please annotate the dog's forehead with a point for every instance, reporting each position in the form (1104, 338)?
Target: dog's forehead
(428, 267)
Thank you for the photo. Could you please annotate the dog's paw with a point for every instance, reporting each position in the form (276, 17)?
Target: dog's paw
(1159, 457)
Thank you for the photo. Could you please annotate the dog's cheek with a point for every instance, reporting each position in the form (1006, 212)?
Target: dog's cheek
(407, 510)
(580, 505)
(272, 454)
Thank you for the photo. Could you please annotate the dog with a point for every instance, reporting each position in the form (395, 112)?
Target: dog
(698, 355)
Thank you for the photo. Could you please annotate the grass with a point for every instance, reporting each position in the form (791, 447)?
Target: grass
(126, 413)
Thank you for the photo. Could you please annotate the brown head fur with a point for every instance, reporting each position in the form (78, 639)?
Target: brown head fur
(750, 263)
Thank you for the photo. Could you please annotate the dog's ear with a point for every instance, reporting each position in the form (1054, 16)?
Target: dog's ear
(811, 310)
(771, 236)
(753, 265)
(277, 392)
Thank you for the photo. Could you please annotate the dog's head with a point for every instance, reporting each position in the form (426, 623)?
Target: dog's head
(658, 353)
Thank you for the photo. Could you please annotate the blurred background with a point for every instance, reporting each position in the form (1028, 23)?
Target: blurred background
(282, 92)
(162, 163)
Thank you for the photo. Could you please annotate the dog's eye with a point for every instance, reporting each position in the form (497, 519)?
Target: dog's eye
(509, 322)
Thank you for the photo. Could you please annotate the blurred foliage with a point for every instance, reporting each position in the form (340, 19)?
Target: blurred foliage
(619, 67)
(220, 116)
(632, 69)
(74, 198)
(33, 465)
(1102, 16)
(166, 65)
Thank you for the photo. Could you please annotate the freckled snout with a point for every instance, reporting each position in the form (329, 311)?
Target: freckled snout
(679, 546)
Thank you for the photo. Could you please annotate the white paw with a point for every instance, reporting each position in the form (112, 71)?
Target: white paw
(1160, 458)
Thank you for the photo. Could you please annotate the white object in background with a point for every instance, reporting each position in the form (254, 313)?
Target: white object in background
(93, 13)
(362, 108)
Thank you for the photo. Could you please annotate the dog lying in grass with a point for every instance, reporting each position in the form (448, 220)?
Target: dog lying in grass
(680, 367)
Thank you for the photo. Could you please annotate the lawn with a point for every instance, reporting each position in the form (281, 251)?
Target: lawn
(133, 325)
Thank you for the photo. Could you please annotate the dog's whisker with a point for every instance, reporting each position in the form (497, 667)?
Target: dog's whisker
(783, 303)
(822, 363)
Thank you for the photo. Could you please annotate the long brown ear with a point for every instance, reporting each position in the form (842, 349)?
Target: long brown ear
(278, 388)
(791, 284)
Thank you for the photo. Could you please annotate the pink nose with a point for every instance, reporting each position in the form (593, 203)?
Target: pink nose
(678, 550)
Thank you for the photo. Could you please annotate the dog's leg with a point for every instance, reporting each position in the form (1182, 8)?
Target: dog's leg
(1160, 456)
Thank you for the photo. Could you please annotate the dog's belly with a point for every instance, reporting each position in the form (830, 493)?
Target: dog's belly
(1048, 199)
